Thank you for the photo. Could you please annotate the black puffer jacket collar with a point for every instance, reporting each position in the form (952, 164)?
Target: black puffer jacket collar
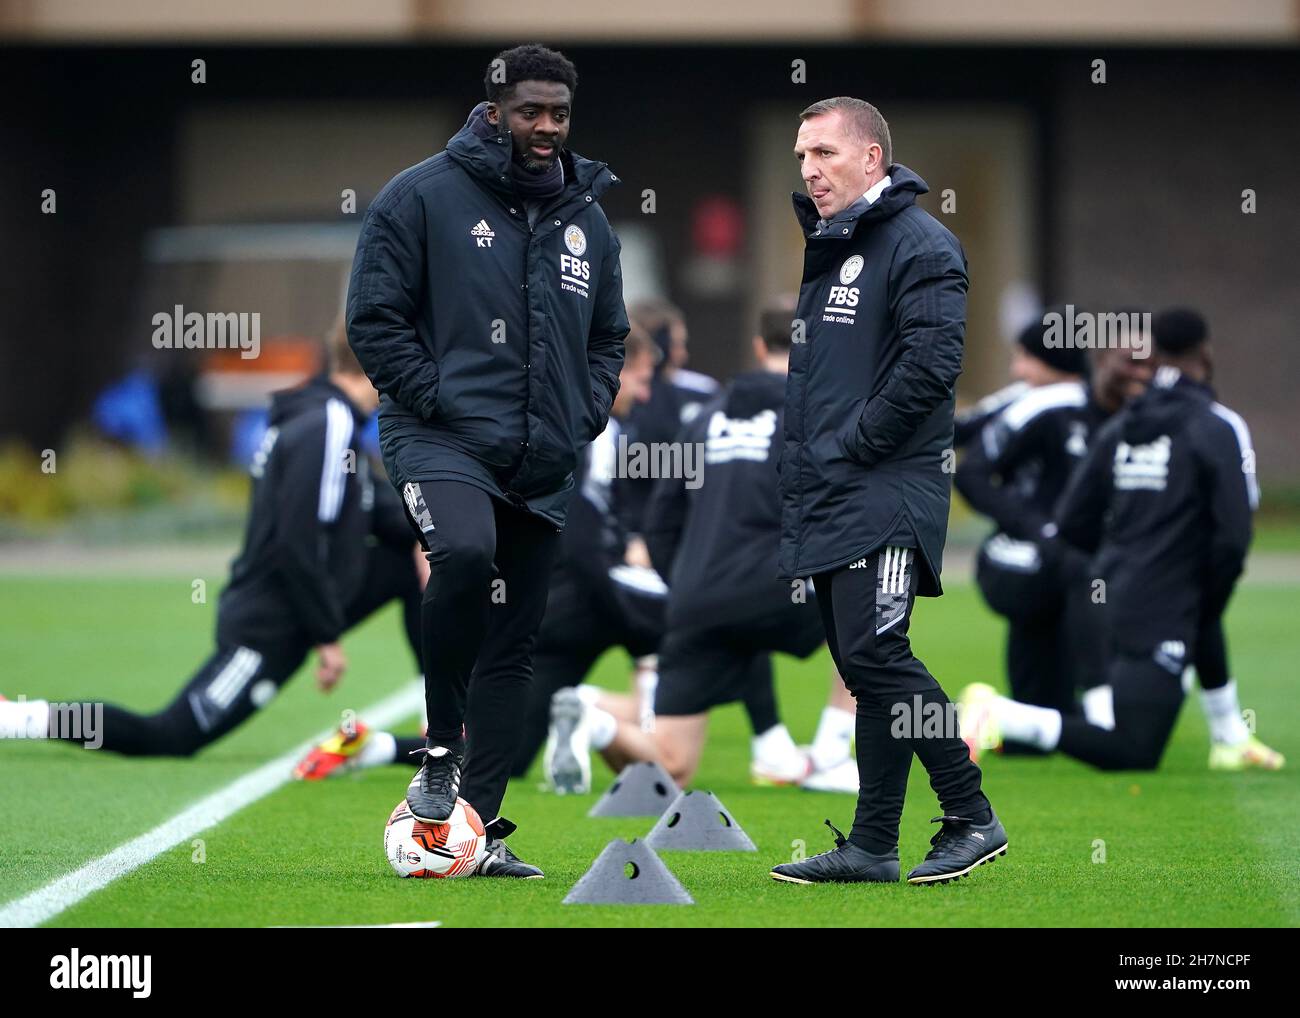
(488, 161)
(903, 188)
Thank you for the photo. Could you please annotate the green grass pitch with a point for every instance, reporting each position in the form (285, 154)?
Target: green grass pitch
(1182, 847)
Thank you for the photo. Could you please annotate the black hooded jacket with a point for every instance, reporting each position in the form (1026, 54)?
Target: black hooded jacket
(1016, 470)
(1165, 498)
(496, 345)
(674, 401)
(869, 400)
(312, 507)
(716, 544)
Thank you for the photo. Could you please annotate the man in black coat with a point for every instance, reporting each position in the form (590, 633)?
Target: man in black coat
(486, 305)
(865, 479)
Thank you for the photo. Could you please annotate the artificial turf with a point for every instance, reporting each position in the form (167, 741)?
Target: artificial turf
(1181, 847)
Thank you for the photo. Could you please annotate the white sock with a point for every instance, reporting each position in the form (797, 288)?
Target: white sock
(1021, 722)
(1223, 714)
(24, 719)
(602, 726)
(647, 681)
(774, 743)
(380, 749)
(1099, 707)
(834, 737)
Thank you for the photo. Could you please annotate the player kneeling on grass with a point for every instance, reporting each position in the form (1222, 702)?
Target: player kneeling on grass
(1164, 498)
(715, 537)
(1015, 473)
(307, 573)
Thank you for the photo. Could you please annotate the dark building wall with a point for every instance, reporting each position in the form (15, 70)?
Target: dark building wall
(1148, 174)
(1140, 201)
(92, 127)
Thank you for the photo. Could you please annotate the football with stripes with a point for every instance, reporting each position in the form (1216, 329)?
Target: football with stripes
(453, 848)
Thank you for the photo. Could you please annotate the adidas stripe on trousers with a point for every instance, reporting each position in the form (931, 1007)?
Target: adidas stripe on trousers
(866, 608)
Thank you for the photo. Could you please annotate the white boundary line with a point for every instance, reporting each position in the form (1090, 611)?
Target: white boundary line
(44, 904)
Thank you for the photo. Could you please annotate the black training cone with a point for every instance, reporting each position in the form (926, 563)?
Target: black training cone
(641, 790)
(698, 822)
(628, 873)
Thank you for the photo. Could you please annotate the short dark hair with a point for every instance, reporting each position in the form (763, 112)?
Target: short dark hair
(863, 121)
(1179, 330)
(530, 62)
(776, 324)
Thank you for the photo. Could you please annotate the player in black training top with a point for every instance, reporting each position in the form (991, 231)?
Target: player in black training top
(716, 543)
(676, 397)
(324, 548)
(1057, 638)
(1164, 499)
(967, 424)
(1014, 473)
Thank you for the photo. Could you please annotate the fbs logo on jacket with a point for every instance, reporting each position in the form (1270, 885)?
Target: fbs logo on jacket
(842, 304)
(482, 233)
(575, 272)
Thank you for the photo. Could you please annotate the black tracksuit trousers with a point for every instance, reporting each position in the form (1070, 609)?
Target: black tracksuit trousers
(490, 568)
(866, 609)
(1146, 698)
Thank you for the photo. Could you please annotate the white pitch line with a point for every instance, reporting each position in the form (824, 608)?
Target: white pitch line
(45, 903)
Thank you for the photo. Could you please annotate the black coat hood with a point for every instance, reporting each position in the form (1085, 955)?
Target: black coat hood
(488, 161)
(1163, 410)
(752, 392)
(904, 186)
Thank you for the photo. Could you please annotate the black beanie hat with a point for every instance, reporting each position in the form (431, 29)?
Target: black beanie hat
(1032, 338)
(1178, 330)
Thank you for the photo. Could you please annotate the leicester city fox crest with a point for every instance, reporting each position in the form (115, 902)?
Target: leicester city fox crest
(575, 240)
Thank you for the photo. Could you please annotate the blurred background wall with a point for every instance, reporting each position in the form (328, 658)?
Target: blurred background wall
(228, 195)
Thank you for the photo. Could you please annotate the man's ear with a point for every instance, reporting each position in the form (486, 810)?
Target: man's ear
(493, 114)
(880, 153)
